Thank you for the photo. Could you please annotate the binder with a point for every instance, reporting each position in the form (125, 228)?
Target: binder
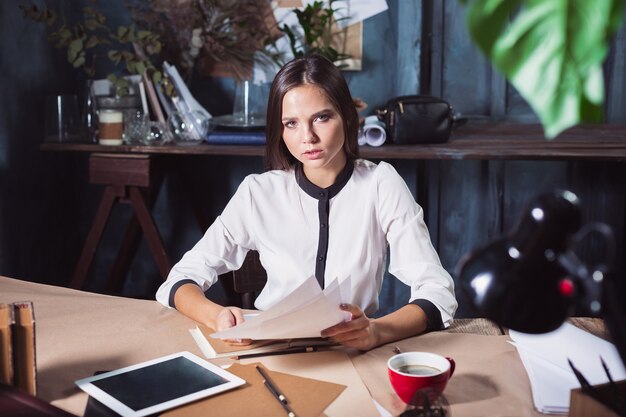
(6, 350)
(18, 365)
(25, 366)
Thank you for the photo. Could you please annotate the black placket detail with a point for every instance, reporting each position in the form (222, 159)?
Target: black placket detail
(323, 207)
(323, 196)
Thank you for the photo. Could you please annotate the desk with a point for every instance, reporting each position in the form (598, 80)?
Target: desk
(476, 141)
(79, 333)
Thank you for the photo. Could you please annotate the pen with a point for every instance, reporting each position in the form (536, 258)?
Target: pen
(275, 392)
(586, 387)
(617, 404)
(584, 384)
(277, 352)
(608, 372)
(270, 385)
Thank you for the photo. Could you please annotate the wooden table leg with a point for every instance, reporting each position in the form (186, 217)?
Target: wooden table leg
(126, 178)
(125, 255)
(150, 231)
(130, 244)
(93, 238)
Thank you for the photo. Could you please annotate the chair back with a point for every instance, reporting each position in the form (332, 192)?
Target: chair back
(249, 280)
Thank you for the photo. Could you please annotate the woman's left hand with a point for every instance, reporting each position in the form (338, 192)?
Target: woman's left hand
(359, 332)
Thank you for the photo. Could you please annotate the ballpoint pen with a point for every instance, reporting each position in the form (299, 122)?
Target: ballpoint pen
(276, 352)
(269, 384)
(272, 387)
(588, 389)
(617, 402)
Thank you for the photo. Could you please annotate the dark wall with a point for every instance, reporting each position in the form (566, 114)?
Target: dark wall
(46, 203)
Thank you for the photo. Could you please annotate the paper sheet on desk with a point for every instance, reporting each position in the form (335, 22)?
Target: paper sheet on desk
(545, 359)
(305, 312)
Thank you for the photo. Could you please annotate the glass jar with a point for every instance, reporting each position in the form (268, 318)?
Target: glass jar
(134, 127)
(156, 134)
(188, 128)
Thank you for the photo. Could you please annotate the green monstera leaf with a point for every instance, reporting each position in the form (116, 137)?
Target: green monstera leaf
(551, 51)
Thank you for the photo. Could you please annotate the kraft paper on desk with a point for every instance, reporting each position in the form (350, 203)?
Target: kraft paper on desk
(305, 312)
(307, 397)
(332, 366)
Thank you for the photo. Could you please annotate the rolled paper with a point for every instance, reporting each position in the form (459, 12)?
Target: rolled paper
(374, 133)
(361, 138)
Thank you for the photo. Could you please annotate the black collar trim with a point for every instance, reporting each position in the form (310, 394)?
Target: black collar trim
(329, 192)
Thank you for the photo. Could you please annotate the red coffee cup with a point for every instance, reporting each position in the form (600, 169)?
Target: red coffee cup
(426, 372)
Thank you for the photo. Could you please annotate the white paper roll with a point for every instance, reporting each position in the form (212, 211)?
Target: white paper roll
(361, 138)
(374, 133)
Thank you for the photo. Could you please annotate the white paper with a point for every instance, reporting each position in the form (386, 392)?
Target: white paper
(356, 10)
(550, 385)
(373, 132)
(305, 312)
(545, 358)
(348, 12)
(183, 91)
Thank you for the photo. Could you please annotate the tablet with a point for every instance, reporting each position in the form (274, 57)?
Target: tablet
(159, 384)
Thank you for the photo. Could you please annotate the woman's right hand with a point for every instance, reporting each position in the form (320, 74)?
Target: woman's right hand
(229, 317)
(191, 301)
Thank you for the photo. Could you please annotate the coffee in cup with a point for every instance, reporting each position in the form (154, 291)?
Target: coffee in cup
(425, 372)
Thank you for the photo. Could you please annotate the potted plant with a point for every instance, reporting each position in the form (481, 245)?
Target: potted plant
(551, 51)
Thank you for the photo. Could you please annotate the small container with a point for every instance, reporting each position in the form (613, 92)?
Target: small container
(111, 129)
(156, 134)
(135, 123)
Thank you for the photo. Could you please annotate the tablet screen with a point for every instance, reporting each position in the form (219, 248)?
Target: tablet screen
(159, 384)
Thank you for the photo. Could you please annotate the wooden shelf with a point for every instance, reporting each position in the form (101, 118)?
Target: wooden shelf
(507, 141)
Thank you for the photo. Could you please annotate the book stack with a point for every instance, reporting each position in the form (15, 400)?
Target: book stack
(18, 366)
(232, 137)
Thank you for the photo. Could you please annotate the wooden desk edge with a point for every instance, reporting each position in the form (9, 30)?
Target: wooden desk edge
(482, 326)
(476, 141)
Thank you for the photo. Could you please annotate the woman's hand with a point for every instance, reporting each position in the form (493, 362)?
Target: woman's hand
(229, 317)
(359, 332)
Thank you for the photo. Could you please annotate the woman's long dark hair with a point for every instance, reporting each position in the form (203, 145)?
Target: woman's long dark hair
(310, 70)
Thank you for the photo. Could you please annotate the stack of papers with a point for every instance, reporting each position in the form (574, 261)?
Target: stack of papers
(305, 312)
(545, 358)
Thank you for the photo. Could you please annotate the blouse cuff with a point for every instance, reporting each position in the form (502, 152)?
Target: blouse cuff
(433, 315)
(175, 288)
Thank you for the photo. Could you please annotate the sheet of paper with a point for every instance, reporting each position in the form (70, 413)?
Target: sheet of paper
(581, 347)
(305, 312)
(190, 102)
(332, 366)
(545, 358)
(550, 385)
(357, 10)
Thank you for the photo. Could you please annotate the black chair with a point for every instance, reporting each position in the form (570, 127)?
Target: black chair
(249, 280)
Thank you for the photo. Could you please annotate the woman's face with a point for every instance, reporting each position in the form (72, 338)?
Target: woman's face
(313, 132)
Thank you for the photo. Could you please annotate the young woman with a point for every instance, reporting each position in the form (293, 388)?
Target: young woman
(319, 210)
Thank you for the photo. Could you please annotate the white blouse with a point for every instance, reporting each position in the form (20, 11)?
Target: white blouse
(301, 230)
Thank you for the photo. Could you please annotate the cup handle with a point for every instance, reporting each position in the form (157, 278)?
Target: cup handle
(452, 365)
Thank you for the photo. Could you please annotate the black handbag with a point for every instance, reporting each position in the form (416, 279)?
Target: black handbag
(417, 119)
